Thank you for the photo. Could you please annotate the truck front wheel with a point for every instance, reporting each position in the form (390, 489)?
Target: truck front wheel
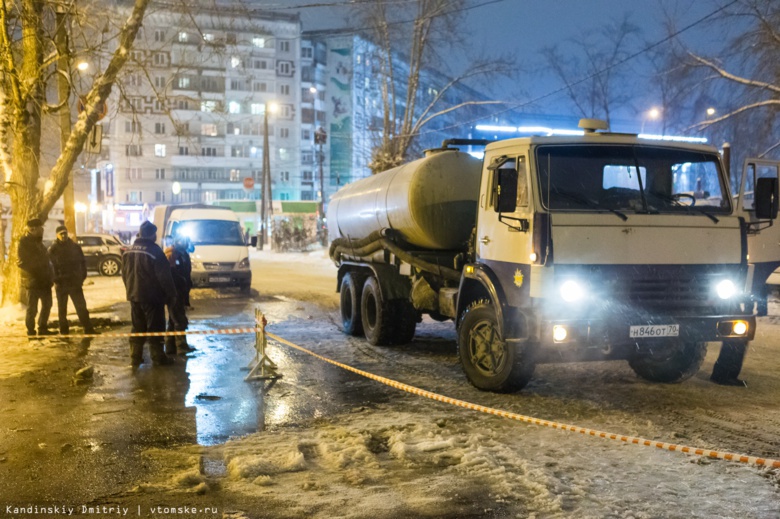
(489, 362)
(672, 364)
(350, 306)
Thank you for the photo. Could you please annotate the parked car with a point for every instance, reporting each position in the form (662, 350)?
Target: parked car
(103, 253)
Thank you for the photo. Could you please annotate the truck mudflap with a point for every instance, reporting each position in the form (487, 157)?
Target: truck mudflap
(631, 334)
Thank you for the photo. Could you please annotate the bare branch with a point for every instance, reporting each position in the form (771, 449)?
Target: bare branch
(732, 77)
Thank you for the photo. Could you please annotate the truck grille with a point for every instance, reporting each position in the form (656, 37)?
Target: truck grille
(221, 266)
(663, 292)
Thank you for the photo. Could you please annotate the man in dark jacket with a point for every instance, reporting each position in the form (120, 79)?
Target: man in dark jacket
(181, 269)
(70, 271)
(36, 277)
(149, 287)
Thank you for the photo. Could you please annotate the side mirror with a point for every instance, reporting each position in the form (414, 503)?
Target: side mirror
(505, 190)
(766, 198)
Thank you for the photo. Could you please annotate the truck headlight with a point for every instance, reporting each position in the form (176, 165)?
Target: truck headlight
(726, 289)
(571, 291)
(197, 265)
(243, 264)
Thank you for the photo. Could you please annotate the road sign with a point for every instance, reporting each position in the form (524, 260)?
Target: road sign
(102, 111)
(94, 140)
(249, 183)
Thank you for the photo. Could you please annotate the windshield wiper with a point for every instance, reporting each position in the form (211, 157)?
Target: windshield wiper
(688, 208)
(590, 203)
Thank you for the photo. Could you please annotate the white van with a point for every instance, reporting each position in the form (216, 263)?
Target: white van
(221, 257)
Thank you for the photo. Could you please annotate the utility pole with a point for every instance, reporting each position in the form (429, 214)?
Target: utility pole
(320, 138)
(265, 205)
(63, 94)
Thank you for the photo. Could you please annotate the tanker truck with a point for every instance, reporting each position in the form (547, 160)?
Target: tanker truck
(550, 249)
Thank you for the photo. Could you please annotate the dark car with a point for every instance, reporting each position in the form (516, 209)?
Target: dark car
(103, 253)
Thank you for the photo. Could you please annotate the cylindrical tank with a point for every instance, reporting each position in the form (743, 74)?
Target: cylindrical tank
(431, 202)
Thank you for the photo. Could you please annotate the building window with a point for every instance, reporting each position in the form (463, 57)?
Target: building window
(159, 128)
(159, 196)
(236, 84)
(159, 150)
(184, 82)
(135, 196)
(160, 82)
(234, 107)
(159, 35)
(306, 135)
(284, 46)
(307, 52)
(160, 59)
(208, 152)
(257, 108)
(284, 196)
(284, 68)
(183, 37)
(207, 36)
(307, 157)
(307, 176)
(131, 126)
(208, 106)
(258, 42)
(133, 173)
(259, 86)
(133, 150)
(235, 62)
(284, 133)
(235, 175)
(284, 111)
(307, 195)
(159, 173)
(183, 104)
(184, 150)
(284, 176)
(284, 90)
(208, 129)
(260, 64)
(237, 151)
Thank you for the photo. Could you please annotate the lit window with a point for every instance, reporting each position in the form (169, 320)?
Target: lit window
(258, 42)
(208, 129)
(208, 106)
(235, 62)
(208, 36)
(159, 150)
(234, 107)
(184, 82)
(183, 37)
(257, 108)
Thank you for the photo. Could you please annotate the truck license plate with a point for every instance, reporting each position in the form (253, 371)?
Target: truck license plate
(655, 330)
(219, 279)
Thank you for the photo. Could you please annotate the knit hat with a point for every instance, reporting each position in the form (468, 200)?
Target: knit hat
(147, 230)
(35, 222)
(61, 228)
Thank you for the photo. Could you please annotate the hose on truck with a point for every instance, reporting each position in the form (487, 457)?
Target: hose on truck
(381, 240)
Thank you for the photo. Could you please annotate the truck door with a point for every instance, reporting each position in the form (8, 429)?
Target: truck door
(763, 238)
(504, 238)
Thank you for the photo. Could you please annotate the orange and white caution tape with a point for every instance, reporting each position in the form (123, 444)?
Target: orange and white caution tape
(223, 331)
(751, 460)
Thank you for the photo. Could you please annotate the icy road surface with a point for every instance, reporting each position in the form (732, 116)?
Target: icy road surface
(323, 442)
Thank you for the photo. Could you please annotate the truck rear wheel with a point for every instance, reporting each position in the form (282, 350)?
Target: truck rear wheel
(406, 317)
(673, 364)
(350, 306)
(489, 362)
(377, 314)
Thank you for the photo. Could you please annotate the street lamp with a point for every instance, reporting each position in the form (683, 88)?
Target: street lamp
(320, 138)
(266, 202)
(711, 111)
(652, 114)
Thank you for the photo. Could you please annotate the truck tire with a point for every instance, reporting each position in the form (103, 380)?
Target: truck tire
(377, 314)
(350, 306)
(406, 318)
(489, 362)
(673, 365)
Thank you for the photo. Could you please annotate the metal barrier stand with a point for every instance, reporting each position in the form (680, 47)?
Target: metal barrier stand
(261, 367)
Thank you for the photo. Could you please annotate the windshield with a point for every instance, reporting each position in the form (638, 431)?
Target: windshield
(209, 232)
(631, 178)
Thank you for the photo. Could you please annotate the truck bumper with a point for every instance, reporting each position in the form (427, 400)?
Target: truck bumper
(233, 278)
(610, 339)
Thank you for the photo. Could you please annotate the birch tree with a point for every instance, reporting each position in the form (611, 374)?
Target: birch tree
(28, 62)
(414, 35)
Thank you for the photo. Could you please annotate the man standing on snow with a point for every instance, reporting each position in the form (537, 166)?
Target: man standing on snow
(70, 271)
(149, 286)
(181, 269)
(36, 277)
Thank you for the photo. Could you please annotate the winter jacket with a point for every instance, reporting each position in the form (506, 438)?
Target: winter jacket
(181, 269)
(34, 262)
(70, 267)
(147, 274)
